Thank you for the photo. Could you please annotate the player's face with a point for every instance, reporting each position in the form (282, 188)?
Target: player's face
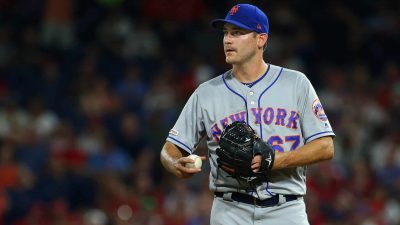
(240, 45)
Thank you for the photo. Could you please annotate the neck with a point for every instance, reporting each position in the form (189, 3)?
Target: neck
(249, 71)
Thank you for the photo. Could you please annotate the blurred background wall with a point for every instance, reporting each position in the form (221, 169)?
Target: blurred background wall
(89, 90)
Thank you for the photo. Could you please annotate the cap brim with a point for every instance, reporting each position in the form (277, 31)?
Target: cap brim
(219, 24)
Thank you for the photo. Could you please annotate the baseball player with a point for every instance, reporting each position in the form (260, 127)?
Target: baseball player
(282, 107)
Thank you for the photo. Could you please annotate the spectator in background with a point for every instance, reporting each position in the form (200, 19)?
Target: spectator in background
(7, 48)
(57, 25)
(114, 30)
(9, 167)
(130, 134)
(96, 100)
(92, 138)
(180, 204)
(142, 42)
(150, 199)
(13, 121)
(110, 158)
(3, 205)
(43, 122)
(132, 88)
(21, 198)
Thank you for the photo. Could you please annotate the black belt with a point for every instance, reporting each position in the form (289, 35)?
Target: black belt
(248, 199)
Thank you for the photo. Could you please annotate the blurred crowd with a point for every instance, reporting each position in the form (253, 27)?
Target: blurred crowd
(89, 90)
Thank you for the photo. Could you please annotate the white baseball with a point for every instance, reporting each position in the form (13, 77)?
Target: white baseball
(197, 161)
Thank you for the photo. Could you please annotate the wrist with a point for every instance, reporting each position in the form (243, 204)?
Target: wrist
(279, 160)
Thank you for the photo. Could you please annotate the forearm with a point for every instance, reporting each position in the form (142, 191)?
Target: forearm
(317, 150)
(174, 160)
(169, 156)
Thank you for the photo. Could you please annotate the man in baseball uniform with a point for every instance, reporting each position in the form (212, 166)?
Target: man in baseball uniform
(280, 104)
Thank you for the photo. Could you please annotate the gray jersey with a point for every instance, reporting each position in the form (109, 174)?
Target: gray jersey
(282, 107)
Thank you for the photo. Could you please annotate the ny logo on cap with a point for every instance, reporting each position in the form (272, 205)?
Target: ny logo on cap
(234, 10)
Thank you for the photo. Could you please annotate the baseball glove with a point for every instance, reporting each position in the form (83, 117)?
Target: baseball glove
(238, 145)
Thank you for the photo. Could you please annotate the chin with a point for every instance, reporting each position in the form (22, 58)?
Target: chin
(229, 60)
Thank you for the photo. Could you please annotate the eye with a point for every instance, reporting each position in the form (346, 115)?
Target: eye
(234, 33)
(237, 33)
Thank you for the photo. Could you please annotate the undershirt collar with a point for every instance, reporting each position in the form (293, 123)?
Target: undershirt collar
(254, 82)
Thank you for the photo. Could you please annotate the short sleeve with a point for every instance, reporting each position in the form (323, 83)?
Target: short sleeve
(188, 129)
(314, 120)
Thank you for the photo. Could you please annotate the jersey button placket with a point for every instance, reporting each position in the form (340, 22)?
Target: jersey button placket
(250, 98)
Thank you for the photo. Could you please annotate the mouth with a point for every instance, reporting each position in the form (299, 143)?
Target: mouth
(229, 50)
(229, 53)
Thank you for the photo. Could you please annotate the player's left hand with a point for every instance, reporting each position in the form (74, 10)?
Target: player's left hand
(256, 163)
(242, 154)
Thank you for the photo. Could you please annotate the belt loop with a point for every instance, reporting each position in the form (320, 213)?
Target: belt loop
(282, 199)
(227, 196)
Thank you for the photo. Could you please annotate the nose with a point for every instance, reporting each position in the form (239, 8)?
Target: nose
(227, 39)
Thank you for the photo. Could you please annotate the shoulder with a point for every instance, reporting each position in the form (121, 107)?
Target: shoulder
(290, 76)
(213, 84)
(293, 74)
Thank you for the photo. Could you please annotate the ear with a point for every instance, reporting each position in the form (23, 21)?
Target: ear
(262, 40)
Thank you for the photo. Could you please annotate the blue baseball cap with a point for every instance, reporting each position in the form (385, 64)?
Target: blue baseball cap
(245, 16)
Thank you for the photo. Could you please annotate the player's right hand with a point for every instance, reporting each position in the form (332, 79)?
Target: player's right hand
(184, 172)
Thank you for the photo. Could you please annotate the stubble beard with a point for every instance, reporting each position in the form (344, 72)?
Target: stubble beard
(238, 60)
(229, 60)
